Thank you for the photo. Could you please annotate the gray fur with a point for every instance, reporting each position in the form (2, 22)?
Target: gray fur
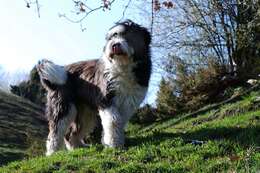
(113, 87)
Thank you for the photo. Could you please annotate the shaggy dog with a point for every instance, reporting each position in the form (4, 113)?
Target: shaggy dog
(112, 87)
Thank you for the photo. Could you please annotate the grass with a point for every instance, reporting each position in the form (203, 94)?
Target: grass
(225, 139)
(20, 121)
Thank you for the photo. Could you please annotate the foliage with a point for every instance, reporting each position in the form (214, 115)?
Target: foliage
(36, 146)
(167, 101)
(191, 89)
(215, 141)
(11, 78)
(145, 115)
(31, 89)
(21, 122)
(200, 87)
(227, 31)
(247, 55)
(211, 47)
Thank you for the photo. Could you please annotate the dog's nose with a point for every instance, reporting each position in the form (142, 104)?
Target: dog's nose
(117, 49)
(116, 46)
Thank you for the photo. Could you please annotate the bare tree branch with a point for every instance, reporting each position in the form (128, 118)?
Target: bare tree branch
(36, 2)
(126, 7)
(86, 13)
(38, 8)
(152, 17)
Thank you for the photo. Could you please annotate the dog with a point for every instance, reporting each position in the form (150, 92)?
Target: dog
(111, 87)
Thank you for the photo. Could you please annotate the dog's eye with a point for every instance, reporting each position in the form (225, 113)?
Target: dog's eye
(115, 34)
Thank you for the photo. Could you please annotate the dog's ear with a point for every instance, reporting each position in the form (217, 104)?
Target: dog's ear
(146, 33)
(130, 24)
(147, 36)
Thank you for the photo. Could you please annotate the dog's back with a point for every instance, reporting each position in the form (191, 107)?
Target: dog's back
(88, 78)
(113, 87)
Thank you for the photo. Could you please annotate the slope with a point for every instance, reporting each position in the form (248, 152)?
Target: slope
(20, 120)
(221, 139)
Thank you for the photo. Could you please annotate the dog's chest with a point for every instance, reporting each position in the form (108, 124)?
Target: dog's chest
(128, 93)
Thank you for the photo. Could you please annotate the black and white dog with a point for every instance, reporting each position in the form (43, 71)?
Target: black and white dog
(112, 87)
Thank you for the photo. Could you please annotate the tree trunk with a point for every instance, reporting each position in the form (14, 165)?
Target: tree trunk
(247, 56)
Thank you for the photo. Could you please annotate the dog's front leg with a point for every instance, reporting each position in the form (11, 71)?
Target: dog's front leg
(113, 127)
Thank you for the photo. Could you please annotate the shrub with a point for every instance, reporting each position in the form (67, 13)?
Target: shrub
(202, 86)
(190, 89)
(31, 89)
(145, 115)
(36, 147)
(167, 102)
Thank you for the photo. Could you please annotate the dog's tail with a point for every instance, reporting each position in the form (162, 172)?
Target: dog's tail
(51, 75)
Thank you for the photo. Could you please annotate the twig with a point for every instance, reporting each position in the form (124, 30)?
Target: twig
(152, 19)
(38, 8)
(28, 3)
(86, 14)
(126, 7)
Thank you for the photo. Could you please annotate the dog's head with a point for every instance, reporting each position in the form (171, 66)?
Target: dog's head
(127, 41)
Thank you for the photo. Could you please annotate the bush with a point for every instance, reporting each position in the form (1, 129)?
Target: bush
(145, 115)
(36, 147)
(202, 86)
(188, 90)
(31, 89)
(167, 102)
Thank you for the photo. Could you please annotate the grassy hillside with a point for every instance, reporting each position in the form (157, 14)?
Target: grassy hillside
(20, 121)
(222, 139)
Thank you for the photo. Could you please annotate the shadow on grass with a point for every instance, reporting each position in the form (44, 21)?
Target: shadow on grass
(7, 157)
(245, 137)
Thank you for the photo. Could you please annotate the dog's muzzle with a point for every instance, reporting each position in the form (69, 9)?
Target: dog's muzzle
(117, 48)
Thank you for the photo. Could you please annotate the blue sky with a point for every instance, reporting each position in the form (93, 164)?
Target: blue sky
(25, 38)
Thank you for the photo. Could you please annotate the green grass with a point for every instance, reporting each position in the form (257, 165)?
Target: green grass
(20, 120)
(226, 139)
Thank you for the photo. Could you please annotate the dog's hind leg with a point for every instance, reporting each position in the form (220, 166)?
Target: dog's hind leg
(84, 125)
(58, 128)
(61, 111)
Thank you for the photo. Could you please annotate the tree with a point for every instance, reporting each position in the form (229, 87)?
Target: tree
(166, 101)
(31, 89)
(200, 30)
(10, 78)
(81, 7)
(247, 55)
(196, 30)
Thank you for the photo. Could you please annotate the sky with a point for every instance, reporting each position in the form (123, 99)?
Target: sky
(25, 38)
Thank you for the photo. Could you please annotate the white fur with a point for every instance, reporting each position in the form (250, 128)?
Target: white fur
(55, 137)
(54, 73)
(129, 95)
(126, 48)
(117, 29)
(113, 127)
(115, 117)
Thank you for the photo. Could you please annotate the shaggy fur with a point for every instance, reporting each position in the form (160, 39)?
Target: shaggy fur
(112, 87)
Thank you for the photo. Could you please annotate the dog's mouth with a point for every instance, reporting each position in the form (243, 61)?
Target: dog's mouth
(117, 50)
